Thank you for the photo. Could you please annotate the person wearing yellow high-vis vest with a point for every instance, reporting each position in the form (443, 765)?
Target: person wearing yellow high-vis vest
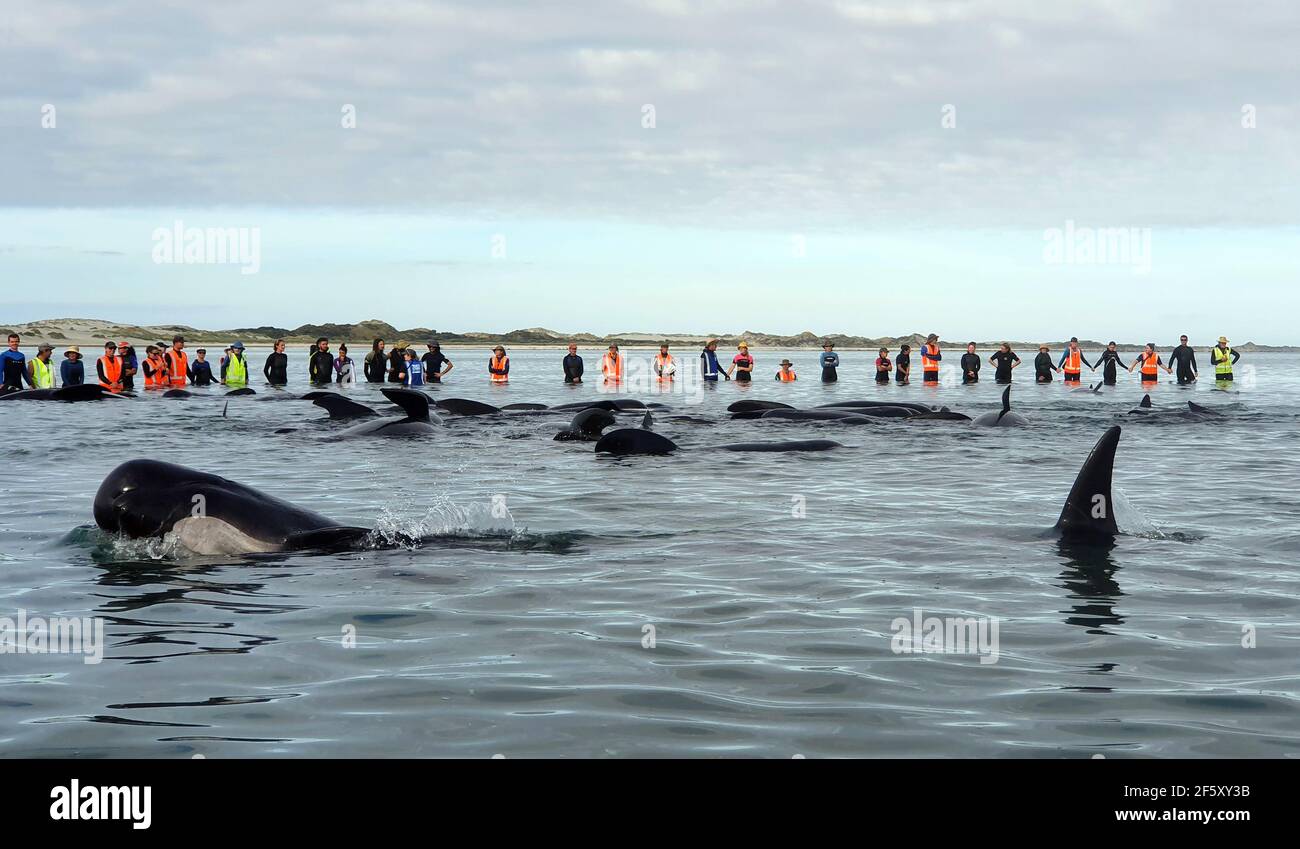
(234, 371)
(1223, 358)
(40, 370)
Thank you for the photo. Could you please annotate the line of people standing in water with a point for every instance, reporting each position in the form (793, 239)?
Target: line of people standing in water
(165, 366)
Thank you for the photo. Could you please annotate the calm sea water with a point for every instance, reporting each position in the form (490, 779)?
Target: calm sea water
(771, 582)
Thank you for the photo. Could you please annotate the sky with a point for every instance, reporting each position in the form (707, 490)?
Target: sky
(872, 168)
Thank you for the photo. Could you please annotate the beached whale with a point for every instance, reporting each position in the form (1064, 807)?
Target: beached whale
(80, 392)
(587, 425)
(848, 417)
(789, 445)
(243, 390)
(465, 407)
(209, 514)
(1004, 418)
(340, 407)
(418, 419)
(632, 440)
(750, 406)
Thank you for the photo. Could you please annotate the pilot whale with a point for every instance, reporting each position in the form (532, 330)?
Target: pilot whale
(418, 419)
(1004, 418)
(1089, 510)
(209, 514)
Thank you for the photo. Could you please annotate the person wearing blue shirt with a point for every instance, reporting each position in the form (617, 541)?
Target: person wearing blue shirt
(830, 361)
(14, 365)
(414, 374)
(72, 371)
(709, 368)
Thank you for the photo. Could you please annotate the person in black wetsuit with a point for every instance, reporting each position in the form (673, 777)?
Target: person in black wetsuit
(1004, 359)
(320, 368)
(883, 366)
(276, 370)
(433, 362)
(572, 366)
(1108, 360)
(1184, 360)
(376, 364)
(903, 365)
(1043, 366)
(200, 371)
(970, 365)
(397, 363)
(15, 365)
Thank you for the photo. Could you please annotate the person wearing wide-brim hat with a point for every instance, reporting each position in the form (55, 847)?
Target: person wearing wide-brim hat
(709, 366)
(742, 365)
(499, 365)
(829, 361)
(1223, 358)
(72, 371)
(1043, 365)
(786, 373)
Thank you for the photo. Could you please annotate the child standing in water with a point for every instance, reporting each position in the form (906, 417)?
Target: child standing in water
(413, 371)
(883, 366)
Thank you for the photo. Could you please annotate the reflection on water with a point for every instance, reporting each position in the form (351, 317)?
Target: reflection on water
(1089, 579)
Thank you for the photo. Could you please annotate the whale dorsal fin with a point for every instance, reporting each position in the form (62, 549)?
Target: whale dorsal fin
(413, 402)
(1097, 387)
(1146, 401)
(648, 421)
(341, 408)
(1090, 510)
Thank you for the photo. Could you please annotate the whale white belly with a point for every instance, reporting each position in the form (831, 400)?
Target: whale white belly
(209, 535)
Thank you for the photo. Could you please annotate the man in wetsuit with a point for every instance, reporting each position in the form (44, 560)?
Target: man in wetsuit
(1005, 360)
(903, 365)
(15, 365)
(320, 368)
(1184, 360)
(572, 366)
(433, 363)
(1108, 360)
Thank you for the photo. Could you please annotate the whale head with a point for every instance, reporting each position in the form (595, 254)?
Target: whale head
(129, 502)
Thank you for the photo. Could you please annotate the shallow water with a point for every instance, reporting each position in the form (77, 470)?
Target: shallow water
(523, 634)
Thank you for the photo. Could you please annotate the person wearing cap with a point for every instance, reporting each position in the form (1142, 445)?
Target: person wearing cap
(108, 368)
(397, 362)
(1070, 362)
(276, 367)
(883, 365)
(499, 366)
(930, 359)
(664, 365)
(786, 373)
(433, 363)
(742, 364)
(1043, 367)
(1223, 358)
(200, 371)
(178, 363)
(611, 365)
(829, 361)
(375, 363)
(72, 372)
(155, 368)
(903, 366)
(572, 365)
(234, 372)
(1150, 363)
(1108, 360)
(1184, 359)
(39, 371)
(15, 365)
(320, 366)
(709, 367)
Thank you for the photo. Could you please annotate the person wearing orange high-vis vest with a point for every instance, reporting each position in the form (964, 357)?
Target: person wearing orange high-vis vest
(155, 368)
(665, 365)
(178, 363)
(930, 357)
(1073, 360)
(1150, 363)
(611, 365)
(499, 366)
(109, 368)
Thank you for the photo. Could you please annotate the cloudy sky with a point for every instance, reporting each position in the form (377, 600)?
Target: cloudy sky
(860, 167)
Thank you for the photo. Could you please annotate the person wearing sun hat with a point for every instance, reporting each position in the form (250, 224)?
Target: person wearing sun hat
(742, 364)
(72, 371)
(1043, 366)
(234, 371)
(709, 366)
(786, 373)
(499, 365)
(829, 361)
(397, 362)
(1223, 358)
